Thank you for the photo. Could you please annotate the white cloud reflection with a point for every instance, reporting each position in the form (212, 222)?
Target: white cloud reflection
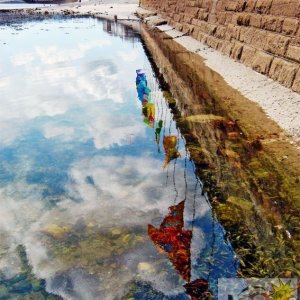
(22, 59)
(123, 192)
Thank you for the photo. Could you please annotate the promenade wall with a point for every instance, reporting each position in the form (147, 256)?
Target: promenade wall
(262, 34)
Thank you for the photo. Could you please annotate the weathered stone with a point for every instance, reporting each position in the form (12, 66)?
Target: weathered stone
(231, 5)
(177, 18)
(232, 32)
(262, 62)
(293, 53)
(263, 6)
(272, 23)
(296, 84)
(283, 71)
(276, 44)
(192, 11)
(202, 37)
(212, 42)
(252, 31)
(290, 26)
(211, 29)
(255, 20)
(246, 35)
(259, 38)
(220, 32)
(247, 55)
(229, 16)
(225, 47)
(250, 5)
(236, 50)
(221, 18)
(243, 19)
(287, 8)
(195, 32)
(288, 73)
(241, 5)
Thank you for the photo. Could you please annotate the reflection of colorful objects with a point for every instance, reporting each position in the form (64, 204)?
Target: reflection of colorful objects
(172, 239)
(198, 289)
(175, 241)
(149, 113)
(142, 86)
(144, 95)
(170, 146)
(158, 130)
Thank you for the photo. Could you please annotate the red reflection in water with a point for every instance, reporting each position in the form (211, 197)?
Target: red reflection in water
(172, 239)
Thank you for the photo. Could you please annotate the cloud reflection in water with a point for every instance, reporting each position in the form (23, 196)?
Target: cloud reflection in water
(80, 174)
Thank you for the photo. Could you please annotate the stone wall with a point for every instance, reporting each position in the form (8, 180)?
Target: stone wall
(262, 34)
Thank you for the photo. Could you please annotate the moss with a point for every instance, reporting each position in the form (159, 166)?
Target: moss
(95, 247)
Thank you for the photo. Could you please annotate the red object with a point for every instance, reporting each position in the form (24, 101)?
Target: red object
(173, 240)
(198, 289)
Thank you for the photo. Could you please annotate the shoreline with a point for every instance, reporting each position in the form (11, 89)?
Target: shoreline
(279, 103)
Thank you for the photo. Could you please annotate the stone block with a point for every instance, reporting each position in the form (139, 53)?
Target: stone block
(255, 20)
(187, 28)
(241, 5)
(212, 42)
(187, 19)
(246, 35)
(232, 32)
(250, 5)
(192, 11)
(288, 73)
(220, 32)
(195, 32)
(221, 4)
(203, 16)
(177, 18)
(272, 23)
(228, 17)
(287, 8)
(293, 52)
(202, 37)
(276, 44)
(296, 84)
(243, 19)
(236, 51)
(231, 5)
(283, 71)
(247, 55)
(211, 29)
(290, 26)
(225, 47)
(261, 62)
(259, 38)
(263, 6)
(221, 18)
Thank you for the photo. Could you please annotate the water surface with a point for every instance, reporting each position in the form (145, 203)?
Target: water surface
(87, 210)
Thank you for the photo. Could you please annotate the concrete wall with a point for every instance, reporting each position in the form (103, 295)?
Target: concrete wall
(262, 34)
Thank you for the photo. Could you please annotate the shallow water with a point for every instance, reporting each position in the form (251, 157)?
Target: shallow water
(84, 206)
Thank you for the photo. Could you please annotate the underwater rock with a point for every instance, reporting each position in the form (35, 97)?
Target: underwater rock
(204, 118)
(56, 231)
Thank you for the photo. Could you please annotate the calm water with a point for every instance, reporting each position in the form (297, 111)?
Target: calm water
(87, 210)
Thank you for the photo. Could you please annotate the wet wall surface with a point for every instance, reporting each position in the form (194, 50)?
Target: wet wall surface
(238, 154)
(98, 199)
